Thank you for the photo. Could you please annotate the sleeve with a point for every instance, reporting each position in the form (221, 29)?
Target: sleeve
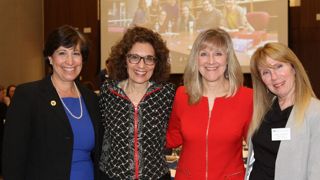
(102, 101)
(249, 102)
(174, 136)
(98, 135)
(314, 153)
(250, 161)
(17, 134)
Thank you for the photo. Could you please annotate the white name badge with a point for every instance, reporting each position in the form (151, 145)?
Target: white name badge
(280, 134)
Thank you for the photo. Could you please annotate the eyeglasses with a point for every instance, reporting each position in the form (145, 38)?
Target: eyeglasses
(135, 59)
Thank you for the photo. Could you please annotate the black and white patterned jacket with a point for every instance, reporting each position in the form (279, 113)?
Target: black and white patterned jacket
(123, 142)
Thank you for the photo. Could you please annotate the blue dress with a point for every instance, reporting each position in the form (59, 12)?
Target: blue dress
(83, 140)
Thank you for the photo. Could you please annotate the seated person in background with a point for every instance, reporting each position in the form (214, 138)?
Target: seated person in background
(103, 75)
(3, 112)
(10, 92)
(171, 8)
(154, 11)
(163, 23)
(141, 16)
(235, 16)
(210, 17)
(3, 104)
(4, 100)
(186, 19)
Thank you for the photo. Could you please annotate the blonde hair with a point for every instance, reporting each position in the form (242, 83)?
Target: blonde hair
(263, 98)
(192, 77)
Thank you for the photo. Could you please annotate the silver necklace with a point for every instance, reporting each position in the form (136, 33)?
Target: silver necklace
(65, 106)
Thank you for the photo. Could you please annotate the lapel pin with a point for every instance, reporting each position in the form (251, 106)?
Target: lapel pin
(53, 103)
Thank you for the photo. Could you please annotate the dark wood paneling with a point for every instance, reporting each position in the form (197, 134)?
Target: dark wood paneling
(304, 38)
(80, 14)
(176, 79)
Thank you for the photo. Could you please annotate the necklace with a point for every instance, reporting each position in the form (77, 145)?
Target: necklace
(65, 106)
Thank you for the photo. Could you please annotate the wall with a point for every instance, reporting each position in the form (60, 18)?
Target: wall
(82, 14)
(304, 38)
(21, 34)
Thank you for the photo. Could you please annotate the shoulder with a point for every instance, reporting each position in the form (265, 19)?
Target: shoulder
(162, 90)
(217, 11)
(240, 10)
(86, 90)
(30, 87)
(181, 90)
(244, 97)
(181, 94)
(169, 87)
(313, 111)
(33, 84)
(108, 84)
(89, 95)
(314, 107)
(245, 92)
(315, 103)
(27, 94)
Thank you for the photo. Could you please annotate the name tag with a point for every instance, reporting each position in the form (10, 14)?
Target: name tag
(280, 134)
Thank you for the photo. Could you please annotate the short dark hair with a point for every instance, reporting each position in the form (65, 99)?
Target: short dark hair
(117, 60)
(66, 36)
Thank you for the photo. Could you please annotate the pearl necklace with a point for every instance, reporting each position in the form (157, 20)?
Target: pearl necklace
(65, 106)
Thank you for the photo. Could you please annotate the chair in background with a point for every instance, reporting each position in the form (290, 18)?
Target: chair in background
(259, 20)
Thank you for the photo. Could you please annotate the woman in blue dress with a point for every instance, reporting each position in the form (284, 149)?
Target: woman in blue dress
(51, 128)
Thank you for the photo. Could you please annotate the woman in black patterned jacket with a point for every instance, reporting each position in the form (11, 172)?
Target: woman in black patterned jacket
(136, 104)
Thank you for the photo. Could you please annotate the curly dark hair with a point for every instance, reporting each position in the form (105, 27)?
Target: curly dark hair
(117, 65)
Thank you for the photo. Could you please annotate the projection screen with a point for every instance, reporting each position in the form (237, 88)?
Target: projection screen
(250, 23)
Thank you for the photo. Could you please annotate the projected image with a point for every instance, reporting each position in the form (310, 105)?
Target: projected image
(250, 23)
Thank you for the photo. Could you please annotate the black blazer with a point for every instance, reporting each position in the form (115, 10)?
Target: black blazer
(38, 138)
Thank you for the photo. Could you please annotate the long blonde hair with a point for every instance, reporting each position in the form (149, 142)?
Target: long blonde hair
(192, 76)
(263, 98)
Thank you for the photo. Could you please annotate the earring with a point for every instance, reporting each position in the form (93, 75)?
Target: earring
(226, 74)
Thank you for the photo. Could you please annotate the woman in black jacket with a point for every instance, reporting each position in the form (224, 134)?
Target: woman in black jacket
(136, 103)
(52, 125)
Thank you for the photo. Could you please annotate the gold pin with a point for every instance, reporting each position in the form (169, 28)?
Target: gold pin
(53, 103)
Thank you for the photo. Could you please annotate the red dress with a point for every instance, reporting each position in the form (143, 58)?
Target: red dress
(211, 148)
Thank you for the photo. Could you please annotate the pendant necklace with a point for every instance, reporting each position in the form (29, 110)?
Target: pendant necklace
(65, 106)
